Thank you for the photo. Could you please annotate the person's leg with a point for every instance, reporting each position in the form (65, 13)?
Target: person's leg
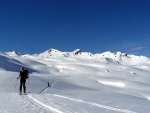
(24, 86)
(20, 87)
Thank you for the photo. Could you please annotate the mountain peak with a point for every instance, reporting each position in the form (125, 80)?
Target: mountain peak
(77, 51)
(52, 50)
(12, 52)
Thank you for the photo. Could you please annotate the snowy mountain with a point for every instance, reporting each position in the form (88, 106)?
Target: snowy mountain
(80, 82)
(13, 53)
(119, 57)
(57, 53)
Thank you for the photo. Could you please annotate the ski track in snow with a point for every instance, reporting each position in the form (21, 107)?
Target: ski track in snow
(32, 99)
(95, 104)
(52, 109)
(77, 100)
(50, 85)
(40, 104)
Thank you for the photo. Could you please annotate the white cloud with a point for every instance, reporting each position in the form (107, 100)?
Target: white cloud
(137, 48)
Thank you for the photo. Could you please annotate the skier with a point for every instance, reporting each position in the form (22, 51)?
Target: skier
(48, 84)
(23, 76)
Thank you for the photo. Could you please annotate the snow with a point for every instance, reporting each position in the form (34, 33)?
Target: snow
(80, 82)
(117, 84)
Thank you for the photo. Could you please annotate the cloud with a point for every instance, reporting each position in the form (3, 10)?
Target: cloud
(138, 49)
(134, 49)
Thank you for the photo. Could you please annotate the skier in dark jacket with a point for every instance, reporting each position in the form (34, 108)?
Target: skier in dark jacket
(23, 76)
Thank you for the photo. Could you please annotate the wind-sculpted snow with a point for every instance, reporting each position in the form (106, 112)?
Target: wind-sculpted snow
(111, 83)
(75, 82)
(8, 63)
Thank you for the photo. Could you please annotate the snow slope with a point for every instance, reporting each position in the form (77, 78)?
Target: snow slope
(80, 82)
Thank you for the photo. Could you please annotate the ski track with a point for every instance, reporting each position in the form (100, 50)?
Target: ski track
(43, 90)
(80, 101)
(38, 103)
(95, 104)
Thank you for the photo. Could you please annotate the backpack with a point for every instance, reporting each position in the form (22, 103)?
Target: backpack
(26, 73)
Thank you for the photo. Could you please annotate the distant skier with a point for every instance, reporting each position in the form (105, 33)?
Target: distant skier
(48, 84)
(23, 76)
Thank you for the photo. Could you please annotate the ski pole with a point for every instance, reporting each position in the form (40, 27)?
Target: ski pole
(28, 81)
(29, 86)
(16, 83)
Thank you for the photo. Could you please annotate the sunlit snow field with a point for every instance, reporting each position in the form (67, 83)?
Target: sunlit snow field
(80, 82)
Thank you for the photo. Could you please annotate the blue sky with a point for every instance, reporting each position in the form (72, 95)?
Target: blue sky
(33, 26)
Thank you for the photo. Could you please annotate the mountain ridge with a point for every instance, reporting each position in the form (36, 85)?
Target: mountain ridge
(75, 52)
